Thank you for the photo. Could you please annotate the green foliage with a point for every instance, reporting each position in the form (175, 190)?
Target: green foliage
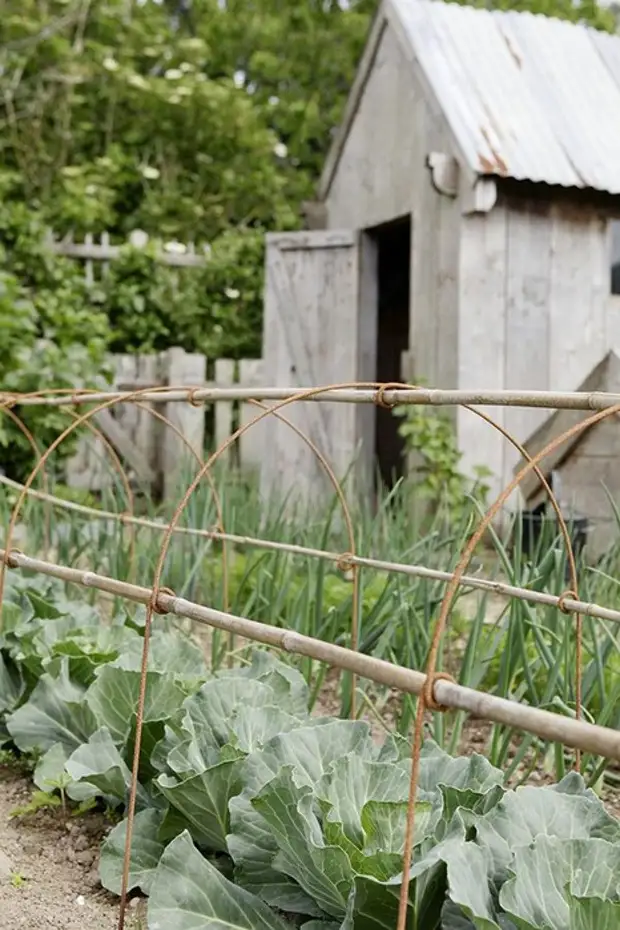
(215, 310)
(121, 115)
(305, 813)
(112, 120)
(430, 435)
(55, 331)
(580, 11)
(513, 649)
(39, 801)
(51, 336)
(183, 135)
(115, 123)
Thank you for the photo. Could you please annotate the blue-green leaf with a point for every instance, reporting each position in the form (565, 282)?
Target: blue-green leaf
(146, 851)
(188, 893)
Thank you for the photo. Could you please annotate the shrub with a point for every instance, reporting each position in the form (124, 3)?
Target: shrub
(51, 333)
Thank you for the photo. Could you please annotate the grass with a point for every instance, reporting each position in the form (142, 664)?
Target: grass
(527, 653)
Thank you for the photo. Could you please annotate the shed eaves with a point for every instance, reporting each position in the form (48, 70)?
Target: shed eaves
(527, 97)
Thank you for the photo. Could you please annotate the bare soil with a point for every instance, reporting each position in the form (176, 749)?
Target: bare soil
(48, 867)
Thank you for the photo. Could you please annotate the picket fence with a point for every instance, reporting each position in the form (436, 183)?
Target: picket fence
(152, 452)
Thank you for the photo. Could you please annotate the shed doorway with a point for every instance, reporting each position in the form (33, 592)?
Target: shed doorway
(393, 245)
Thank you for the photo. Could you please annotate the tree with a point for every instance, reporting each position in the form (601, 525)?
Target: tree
(185, 119)
(119, 116)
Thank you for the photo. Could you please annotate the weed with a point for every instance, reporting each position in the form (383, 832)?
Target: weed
(85, 807)
(61, 784)
(39, 800)
(19, 763)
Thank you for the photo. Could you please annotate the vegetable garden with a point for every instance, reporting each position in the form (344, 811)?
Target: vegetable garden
(249, 788)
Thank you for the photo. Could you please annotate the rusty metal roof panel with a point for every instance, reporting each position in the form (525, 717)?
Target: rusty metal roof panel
(527, 97)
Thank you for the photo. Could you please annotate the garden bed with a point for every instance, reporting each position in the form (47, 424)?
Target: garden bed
(49, 859)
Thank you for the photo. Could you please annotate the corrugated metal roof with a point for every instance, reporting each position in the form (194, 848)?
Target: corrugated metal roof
(527, 97)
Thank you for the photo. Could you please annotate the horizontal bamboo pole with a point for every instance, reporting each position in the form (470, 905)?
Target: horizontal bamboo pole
(500, 588)
(563, 400)
(550, 727)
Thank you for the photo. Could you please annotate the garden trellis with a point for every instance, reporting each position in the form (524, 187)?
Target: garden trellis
(544, 724)
(436, 691)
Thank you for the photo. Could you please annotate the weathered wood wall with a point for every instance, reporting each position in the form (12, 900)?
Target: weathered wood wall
(517, 297)
(381, 154)
(584, 469)
(585, 479)
(588, 476)
(381, 175)
(534, 312)
(152, 453)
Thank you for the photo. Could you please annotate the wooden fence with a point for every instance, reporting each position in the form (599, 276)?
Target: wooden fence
(151, 451)
(93, 253)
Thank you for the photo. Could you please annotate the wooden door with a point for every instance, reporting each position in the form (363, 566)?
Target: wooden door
(311, 338)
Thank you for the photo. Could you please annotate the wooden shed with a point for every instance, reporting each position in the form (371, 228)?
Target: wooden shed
(466, 209)
(584, 470)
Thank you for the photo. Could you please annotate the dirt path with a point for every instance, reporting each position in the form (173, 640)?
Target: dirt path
(48, 868)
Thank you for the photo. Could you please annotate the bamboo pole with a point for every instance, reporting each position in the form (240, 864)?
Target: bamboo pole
(562, 400)
(568, 605)
(550, 727)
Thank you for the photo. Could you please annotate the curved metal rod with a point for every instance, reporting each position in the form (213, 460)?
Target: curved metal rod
(5, 407)
(86, 421)
(381, 389)
(19, 423)
(103, 439)
(190, 490)
(149, 619)
(82, 418)
(271, 411)
(350, 533)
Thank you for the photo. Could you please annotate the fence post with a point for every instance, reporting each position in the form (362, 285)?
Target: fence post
(252, 443)
(89, 271)
(146, 427)
(224, 377)
(179, 369)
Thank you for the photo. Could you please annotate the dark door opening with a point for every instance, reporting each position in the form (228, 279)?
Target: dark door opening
(393, 243)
